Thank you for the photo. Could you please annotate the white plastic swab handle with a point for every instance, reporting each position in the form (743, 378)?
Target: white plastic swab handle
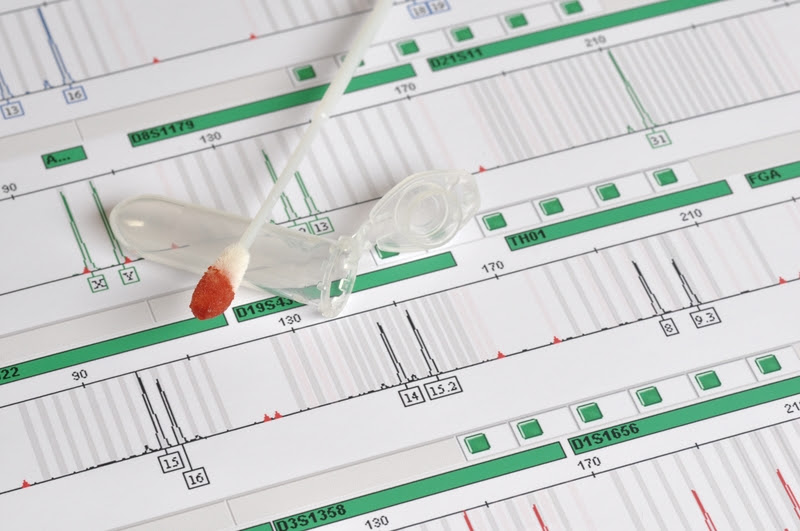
(332, 95)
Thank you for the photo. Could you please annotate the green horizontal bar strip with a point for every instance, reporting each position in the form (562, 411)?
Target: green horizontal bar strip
(262, 527)
(364, 281)
(65, 156)
(390, 275)
(529, 40)
(258, 108)
(416, 490)
(417, 268)
(774, 175)
(105, 349)
(685, 416)
(613, 216)
(245, 312)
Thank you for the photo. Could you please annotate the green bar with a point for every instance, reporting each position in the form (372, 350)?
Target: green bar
(684, 416)
(364, 281)
(264, 307)
(65, 156)
(421, 488)
(263, 527)
(613, 216)
(110, 347)
(529, 40)
(257, 108)
(417, 268)
(774, 175)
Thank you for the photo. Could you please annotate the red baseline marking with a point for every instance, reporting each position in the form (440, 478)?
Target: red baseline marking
(25, 484)
(277, 415)
(155, 60)
(500, 355)
(781, 280)
(792, 498)
(86, 271)
(128, 260)
(556, 340)
(481, 169)
(709, 522)
(539, 517)
(252, 36)
(469, 524)
(267, 418)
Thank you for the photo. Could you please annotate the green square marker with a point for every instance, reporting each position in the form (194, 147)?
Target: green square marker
(571, 8)
(408, 47)
(648, 396)
(590, 412)
(462, 34)
(516, 21)
(304, 73)
(551, 206)
(607, 191)
(768, 364)
(529, 428)
(477, 443)
(665, 177)
(707, 380)
(494, 221)
(384, 254)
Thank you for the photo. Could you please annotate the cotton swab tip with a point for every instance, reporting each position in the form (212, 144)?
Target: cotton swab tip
(216, 289)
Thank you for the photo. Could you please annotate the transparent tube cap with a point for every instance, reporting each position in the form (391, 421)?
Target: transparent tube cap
(423, 211)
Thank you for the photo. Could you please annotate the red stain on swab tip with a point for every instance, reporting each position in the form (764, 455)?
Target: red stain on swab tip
(213, 294)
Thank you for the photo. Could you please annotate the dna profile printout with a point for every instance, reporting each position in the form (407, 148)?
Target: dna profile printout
(612, 343)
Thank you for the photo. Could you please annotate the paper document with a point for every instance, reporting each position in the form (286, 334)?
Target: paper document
(612, 343)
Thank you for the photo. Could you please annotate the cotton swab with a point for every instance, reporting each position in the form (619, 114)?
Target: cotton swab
(216, 289)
